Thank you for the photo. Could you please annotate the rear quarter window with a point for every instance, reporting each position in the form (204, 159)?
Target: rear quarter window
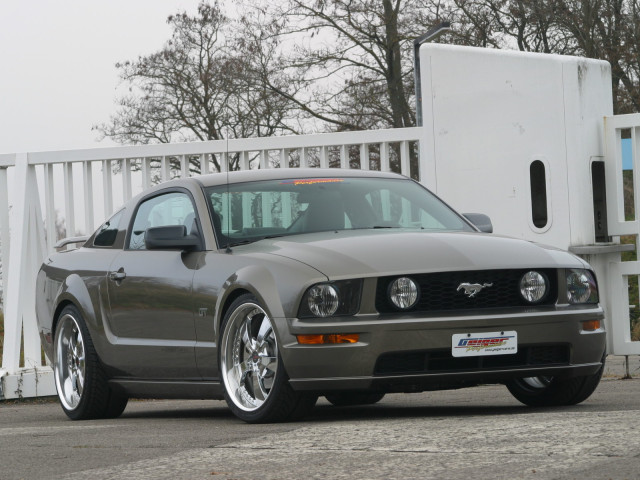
(108, 231)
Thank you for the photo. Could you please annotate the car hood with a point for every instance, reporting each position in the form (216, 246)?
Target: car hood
(364, 253)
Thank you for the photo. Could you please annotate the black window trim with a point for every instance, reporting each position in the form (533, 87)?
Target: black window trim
(96, 232)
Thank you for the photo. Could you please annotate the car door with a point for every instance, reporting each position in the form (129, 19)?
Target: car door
(150, 294)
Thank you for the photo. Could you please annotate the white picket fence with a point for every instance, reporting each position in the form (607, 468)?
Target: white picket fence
(88, 180)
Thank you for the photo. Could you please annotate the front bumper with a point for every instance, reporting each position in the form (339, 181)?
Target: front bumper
(404, 353)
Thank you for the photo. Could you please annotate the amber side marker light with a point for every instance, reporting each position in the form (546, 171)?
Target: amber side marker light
(324, 339)
(591, 325)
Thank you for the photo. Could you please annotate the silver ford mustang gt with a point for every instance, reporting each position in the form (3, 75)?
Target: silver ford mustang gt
(270, 288)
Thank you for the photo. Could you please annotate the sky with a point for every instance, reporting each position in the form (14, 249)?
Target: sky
(58, 79)
(57, 65)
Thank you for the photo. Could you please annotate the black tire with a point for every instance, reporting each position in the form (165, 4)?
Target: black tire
(255, 395)
(81, 383)
(347, 399)
(553, 391)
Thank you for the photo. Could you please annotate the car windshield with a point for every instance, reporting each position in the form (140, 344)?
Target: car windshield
(247, 212)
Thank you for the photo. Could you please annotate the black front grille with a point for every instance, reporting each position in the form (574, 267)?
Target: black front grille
(442, 291)
(435, 361)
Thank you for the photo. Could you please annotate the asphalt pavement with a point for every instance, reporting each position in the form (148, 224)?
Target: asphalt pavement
(473, 433)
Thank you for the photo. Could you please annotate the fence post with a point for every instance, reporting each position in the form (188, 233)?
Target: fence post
(69, 199)
(107, 187)
(28, 232)
(87, 178)
(4, 232)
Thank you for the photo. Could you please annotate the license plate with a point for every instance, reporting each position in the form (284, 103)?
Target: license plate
(485, 343)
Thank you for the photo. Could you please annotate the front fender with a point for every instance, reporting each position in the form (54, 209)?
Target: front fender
(277, 283)
(257, 280)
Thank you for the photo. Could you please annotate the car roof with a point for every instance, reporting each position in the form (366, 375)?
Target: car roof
(242, 176)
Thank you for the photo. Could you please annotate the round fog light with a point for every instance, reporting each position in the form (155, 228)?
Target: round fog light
(533, 286)
(323, 300)
(403, 293)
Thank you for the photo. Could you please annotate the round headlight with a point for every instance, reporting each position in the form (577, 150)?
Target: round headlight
(403, 293)
(581, 287)
(533, 286)
(323, 300)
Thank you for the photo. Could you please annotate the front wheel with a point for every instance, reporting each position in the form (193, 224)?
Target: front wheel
(546, 391)
(256, 385)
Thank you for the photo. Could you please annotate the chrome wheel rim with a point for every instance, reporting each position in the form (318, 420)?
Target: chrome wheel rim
(249, 359)
(537, 382)
(69, 362)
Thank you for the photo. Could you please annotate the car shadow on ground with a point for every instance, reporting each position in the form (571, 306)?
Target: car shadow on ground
(213, 412)
(325, 413)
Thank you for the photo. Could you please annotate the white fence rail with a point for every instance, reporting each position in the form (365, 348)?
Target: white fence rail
(90, 183)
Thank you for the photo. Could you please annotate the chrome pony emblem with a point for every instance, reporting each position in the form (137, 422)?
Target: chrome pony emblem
(471, 289)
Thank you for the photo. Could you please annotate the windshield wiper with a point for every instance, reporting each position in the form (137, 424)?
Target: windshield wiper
(397, 226)
(240, 242)
(247, 241)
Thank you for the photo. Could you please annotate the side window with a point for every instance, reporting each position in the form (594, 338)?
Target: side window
(106, 234)
(173, 208)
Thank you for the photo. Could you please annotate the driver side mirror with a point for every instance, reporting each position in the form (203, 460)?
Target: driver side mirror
(481, 221)
(171, 237)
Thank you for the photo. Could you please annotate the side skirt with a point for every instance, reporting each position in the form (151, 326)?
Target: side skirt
(168, 389)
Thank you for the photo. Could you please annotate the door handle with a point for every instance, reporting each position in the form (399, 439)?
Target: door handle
(117, 276)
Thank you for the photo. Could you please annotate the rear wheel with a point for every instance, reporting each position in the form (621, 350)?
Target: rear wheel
(347, 399)
(81, 383)
(546, 391)
(256, 385)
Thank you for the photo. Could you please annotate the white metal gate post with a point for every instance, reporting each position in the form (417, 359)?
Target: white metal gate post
(4, 229)
(618, 280)
(426, 145)
(20, 315)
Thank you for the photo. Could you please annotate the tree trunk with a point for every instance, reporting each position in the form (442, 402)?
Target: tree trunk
(402, 115)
